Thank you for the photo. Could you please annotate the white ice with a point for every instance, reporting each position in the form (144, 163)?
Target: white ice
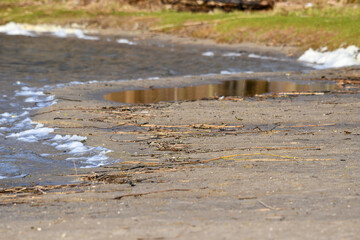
(19, 126)
(332, 59)
(23, 124)
(26, 91)
(68, 138)
(8, 118)
(126, 41)
(32, 135)
(18, 176)
(231, 54)
(80, 34)
(37, 99)
(6, 114)
(57, 31)
(35, 95)
(252, 55)
(225, 72)
(15, 29)
(60, 33)
(153, 78)
(74, 147)
(208, 54)
(98, 158)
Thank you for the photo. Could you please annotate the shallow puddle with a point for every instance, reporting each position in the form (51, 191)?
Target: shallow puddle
(240, 88)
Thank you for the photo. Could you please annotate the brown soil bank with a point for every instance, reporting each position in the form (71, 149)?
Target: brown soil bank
(268, 167)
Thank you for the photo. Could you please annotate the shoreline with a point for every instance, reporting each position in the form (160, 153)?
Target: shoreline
(265, 167)
(284, 51)
(89, 96)
(164, 38)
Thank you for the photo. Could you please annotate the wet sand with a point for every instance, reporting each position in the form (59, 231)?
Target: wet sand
(44, 62)
(268, 167)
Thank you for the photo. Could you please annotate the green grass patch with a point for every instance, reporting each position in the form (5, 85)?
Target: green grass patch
(38, 14)
(313, 27)
(309, 28)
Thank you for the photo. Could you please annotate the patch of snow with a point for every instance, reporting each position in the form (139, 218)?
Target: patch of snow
(60, 33)
(74, 147)
(125, 41)
(20, 127)
(30, 30)
(153, 78)
(208, 54)
(6, 114)
(32, 135)
(231, 54)
(265, 57)
(23, 124)
(101, 157)
(26, 91)
(15, 29)
(17, 176)
(37, 99)
(68, 138)
(332, 59)
(80, 34)
(208, 74)
(8, 118)
(225, 72)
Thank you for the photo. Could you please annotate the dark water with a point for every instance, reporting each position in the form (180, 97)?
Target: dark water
(240, 88)
(41, 63)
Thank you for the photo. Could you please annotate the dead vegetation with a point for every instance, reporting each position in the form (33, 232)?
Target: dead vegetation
(167, 143)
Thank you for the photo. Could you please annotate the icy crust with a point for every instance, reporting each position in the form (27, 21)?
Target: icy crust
(56, 31)
(252, 55)
(125, 41)
(32, 135)
(70, 145)
(232, 54)
(208, 54)
(19, 126)
(34, 30)
(15, 29)
(341, 57)
(35, 97)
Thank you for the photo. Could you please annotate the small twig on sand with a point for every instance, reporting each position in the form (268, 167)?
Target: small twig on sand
(266, 205)
(265, 148)
(247, 198)
(147, 193)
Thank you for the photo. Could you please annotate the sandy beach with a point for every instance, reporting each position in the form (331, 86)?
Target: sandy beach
(266, 167)
(128, 119)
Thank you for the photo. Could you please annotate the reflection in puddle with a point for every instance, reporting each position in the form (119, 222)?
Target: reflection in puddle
(241, 88)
